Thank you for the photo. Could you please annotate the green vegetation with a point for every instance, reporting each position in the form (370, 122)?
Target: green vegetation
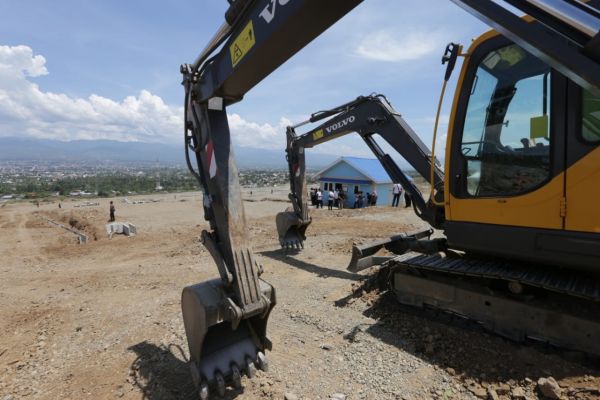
(35, 181)
(104, 185)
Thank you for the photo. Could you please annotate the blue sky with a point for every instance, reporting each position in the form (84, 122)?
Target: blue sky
(81, 69)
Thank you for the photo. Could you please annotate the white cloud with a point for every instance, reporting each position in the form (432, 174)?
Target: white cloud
(251, 134)
(26, 110)
(386, 45)
(20, 60)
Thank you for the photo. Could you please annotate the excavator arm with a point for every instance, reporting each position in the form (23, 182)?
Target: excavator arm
(226, 318)
(366, 116)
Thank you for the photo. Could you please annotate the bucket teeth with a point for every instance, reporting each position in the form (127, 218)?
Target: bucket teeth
(220, 382)
(291, 229)
(250, 368)
(203, 390)
(292, 244)
(262, 362)
(236, 377)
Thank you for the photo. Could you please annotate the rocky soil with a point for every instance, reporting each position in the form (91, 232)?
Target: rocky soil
(103, 321)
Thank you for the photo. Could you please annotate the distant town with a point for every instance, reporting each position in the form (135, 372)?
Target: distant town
(42, 179)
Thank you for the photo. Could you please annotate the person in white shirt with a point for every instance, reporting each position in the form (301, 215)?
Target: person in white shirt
(330, 200)
(396, 191)
(336, 198)
(319, 198)
(374, 198)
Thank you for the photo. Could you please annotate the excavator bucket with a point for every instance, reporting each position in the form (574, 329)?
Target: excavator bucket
(220, 351)
(291, 229)
(365, 256)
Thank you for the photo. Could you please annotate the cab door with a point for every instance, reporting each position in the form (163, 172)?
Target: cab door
(506, 156)
(583, 162)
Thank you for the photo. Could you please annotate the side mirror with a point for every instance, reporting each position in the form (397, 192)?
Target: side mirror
(450, 56)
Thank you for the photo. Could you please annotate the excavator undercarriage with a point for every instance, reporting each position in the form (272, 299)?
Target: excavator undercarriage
(511, 308)
(515, 300)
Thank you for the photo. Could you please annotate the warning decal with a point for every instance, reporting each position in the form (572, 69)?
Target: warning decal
(210, 159)
(242, 44)
(318, 134)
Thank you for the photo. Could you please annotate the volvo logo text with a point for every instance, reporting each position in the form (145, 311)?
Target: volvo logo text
(340, 124)
(268, 13)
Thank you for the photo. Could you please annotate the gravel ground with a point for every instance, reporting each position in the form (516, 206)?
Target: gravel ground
(103, 320)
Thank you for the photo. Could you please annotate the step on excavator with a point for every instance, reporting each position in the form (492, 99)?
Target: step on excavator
(516, 201)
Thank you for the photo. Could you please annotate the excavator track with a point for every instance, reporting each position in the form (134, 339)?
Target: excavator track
(553, 279)
(546, 305)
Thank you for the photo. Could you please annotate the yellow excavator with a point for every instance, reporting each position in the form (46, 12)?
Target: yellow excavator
(515, 200)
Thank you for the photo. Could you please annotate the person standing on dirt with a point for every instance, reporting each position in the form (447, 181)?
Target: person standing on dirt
(330, 200)
(112, 212)
(319, 198)
(396, 191)
(336, 198)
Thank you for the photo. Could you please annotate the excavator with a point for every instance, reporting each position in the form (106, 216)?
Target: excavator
(367, 116)
(515, 202)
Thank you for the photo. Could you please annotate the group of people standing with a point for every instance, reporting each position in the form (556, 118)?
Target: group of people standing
(335, 198)
(371, 199)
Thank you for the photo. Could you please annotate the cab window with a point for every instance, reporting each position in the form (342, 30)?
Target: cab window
(590, 116)
(506, 135)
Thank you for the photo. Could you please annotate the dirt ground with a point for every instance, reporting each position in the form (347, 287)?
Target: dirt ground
(102, 320)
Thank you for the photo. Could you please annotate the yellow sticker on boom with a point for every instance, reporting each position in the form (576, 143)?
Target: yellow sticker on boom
(318, 134)
(242, 44)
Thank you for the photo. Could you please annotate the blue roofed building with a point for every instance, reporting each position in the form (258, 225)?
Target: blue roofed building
(356, 175)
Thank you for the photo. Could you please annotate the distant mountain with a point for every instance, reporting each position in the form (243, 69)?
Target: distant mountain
(22, 149)
(12, 148)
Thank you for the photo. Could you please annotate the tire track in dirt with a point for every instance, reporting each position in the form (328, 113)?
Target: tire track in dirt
(23, 233)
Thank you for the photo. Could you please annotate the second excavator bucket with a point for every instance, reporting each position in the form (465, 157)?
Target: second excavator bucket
(291, 229)
(364, 256)
(221, 350)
